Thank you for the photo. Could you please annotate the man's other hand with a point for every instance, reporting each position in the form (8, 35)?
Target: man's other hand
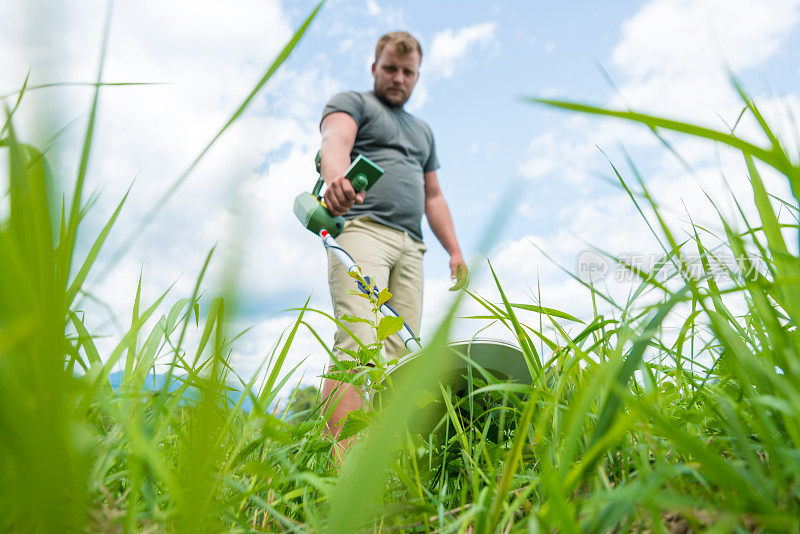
(340, 196)
(458, 272)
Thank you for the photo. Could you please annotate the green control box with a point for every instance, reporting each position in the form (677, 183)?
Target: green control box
(363, 173)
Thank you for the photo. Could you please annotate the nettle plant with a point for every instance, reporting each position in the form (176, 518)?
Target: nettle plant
(367, 369)
(368, 357)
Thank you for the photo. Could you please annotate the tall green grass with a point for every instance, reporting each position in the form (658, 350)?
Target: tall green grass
(624, 427)
(77, 454)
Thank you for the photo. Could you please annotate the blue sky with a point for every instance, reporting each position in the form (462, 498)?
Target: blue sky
(664, 56)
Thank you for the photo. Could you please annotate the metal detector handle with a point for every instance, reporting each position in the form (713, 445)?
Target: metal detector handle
(318, 187)
(311, 210)
(359, 183)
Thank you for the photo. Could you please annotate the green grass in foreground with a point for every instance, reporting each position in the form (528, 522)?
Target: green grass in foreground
(707, 438)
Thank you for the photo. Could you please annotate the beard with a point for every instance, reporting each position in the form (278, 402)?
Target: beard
(395, 99)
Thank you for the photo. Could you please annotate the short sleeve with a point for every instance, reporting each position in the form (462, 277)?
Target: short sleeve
(433, 162)
(349, 102)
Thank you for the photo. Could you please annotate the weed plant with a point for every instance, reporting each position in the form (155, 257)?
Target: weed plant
(706, 438)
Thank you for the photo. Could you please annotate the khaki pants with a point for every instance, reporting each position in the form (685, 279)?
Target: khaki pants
(393, 260)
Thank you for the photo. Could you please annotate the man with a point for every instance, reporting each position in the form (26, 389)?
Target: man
(383, 229)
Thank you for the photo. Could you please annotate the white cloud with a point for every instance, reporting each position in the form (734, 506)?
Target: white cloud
(449, 48)
(419, 97)
(673, 55)
(449, 51)
(675, 37)
(373, 8)
(208, 58)
(345, 45)
(670, 61)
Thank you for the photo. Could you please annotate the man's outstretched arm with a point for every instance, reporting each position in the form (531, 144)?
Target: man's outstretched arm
(338, 136)
(441, 222)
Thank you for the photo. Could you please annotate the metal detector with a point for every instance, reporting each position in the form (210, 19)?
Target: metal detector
(500, 358)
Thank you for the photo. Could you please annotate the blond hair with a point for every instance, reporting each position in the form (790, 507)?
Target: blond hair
(404, 43)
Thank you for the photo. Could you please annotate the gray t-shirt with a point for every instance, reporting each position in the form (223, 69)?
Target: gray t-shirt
(399, 143)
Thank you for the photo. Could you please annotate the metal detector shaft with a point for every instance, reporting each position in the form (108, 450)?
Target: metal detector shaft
(409, 339)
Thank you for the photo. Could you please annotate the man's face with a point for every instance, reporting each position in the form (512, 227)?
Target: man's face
(395, 75)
